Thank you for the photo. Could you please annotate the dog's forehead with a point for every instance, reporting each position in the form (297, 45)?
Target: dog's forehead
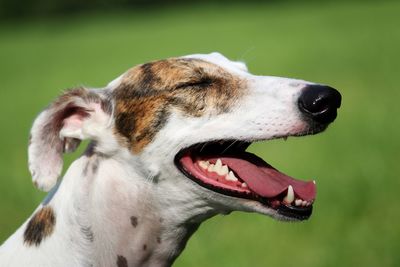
(181, 68)
(220, 60)
(192, 86)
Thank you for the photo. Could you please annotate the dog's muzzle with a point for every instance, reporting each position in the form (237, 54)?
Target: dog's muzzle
(319, 103)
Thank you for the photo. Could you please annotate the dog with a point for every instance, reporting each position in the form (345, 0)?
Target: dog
(167, 151)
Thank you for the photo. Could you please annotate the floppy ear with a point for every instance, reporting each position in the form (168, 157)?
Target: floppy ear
(76, 115)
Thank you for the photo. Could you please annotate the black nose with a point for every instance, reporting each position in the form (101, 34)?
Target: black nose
(320, 103)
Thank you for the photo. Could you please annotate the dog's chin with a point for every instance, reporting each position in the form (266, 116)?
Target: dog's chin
(245, 181)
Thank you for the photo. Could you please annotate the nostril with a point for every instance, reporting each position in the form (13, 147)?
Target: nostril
(320, 102)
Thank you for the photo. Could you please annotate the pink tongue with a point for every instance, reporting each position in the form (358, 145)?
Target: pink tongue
(267, 181)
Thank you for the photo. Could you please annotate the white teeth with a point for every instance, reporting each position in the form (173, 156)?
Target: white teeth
(231, 177)
(211, 168)
(244, 185)
(223, 170)
(204, 164)
(314, 182)
(218, 164)
(290, 195)
(216, 167)
(302, 203)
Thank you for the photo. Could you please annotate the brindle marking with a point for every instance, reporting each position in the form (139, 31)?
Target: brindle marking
(40, 226)
(134, 221)
(121, 261)
(148, 92)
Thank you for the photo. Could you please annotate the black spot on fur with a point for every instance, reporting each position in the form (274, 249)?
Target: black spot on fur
(159, 240)
(134, 221)
(40, 226)
(121, 261)
(144, 247)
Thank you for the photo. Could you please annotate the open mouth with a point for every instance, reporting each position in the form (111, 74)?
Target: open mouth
(225, 167)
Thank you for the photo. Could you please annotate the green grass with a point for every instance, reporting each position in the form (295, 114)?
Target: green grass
(351, 46)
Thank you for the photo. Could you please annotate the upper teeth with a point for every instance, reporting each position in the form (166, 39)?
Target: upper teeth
(218, 164)
(231, 177)
(218, 168)
(223, 170)
(204, 164)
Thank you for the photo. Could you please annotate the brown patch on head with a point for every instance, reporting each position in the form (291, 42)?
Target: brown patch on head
(40, 226)
(134, 221)
(121, 261)
(149, 92)
(144, 247)
(158, 240)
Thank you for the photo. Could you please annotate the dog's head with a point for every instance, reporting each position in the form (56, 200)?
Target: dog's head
(187, 122)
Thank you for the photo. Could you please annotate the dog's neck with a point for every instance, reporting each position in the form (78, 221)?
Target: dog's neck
(117, 217)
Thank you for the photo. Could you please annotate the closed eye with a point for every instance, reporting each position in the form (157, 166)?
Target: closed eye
(203, 83)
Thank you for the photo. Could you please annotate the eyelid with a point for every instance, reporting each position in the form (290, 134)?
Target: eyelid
(203, 82)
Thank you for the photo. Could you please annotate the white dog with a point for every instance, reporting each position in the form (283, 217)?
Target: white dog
(167, 151)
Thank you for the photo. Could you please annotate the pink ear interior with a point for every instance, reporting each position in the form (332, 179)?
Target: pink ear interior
(71, 116)
(73, 122)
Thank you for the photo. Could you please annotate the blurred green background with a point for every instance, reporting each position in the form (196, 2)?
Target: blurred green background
(352, 46)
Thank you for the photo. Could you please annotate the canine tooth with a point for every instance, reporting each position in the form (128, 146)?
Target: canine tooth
(223, 170)
(290, 195)
(231, 177)
(297, 202)
(204, 164)
(314, 182)
(244, 185)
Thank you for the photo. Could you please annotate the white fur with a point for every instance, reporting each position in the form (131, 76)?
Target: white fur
(168, 206)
